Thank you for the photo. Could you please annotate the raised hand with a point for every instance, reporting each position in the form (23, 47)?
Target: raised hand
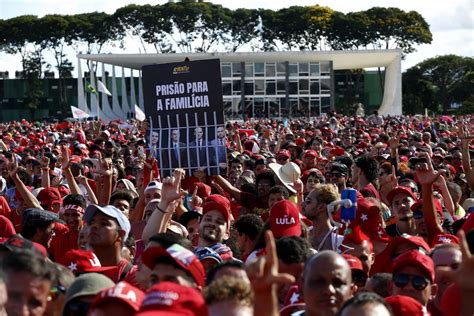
(263, 273)
(13, 167)
(44, 161)
(106, 167)
(64, 158)
(425, 171)
(196, 201)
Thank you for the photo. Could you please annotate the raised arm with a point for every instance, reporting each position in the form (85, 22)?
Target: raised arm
(466, 158)
(229, 188)
(71, 181)
(164, 210)
(28, 197)
(427, 176)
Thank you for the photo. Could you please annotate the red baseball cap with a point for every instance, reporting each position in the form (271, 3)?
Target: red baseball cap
(121, 292)
(311, 153)
(285, 153)
(353, 262)
(216, 202)
(169, 298)
(85, 261)
(285, 219)
(437, 203)
(182, 256)
(400, 190)
(49, 196)
(417, 259)
(203, 190)
(406, 305)
(469, 223)
(444, 239)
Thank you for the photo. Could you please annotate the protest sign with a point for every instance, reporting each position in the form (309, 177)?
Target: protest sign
(184, 104)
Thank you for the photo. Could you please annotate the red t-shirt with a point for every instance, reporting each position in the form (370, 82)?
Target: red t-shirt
(255, 204)
(370, 191)
(62, 242)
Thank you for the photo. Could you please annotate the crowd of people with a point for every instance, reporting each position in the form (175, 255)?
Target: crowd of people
(88, 226)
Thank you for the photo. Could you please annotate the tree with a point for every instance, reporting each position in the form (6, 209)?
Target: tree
(243, 28)
(438, 82)
(32, 66)
(394, 28)
(55, 28)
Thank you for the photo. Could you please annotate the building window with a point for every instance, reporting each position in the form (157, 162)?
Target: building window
(259, 69)
(304, 86)
(259, 86)
(236, 87)
(281, 69)
(304, 69)
(226, 70)
(248, 88)
(271, 87)
(226, 88)
(293, 70)
(236, 69)
(314, 70)
(248, 69)
(270, 69)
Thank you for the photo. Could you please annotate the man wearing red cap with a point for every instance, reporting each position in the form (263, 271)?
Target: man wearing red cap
(414, 276)
(214, 227)
(310, 160)
(400, 201)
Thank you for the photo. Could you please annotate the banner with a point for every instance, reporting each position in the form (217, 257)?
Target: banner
(139, 114)
(78, 113)
(184, 102)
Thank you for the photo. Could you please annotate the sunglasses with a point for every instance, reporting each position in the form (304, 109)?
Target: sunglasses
(282, 158)
(336, 175)
(419, 283)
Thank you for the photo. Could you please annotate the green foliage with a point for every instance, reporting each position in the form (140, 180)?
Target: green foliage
(438, 82)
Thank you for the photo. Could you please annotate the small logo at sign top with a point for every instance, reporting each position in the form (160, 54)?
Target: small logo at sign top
(180, 70)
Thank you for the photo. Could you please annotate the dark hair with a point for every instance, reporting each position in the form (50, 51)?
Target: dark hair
(381, 282)
(224, 264)
(166, 240)
(266, 175)
(75, 199)
(121, 195)
(369, 167)
(293, 249)
(237, 160)
(26, 261)
(29, 230)
(249, 188)
(279, 189)
(364, 298)
(249, 164)
(249, 224)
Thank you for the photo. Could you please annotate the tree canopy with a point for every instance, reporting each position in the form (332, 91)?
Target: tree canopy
(205, 27)
(437, 83)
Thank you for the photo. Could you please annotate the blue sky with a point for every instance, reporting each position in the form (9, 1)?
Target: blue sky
(451, 22)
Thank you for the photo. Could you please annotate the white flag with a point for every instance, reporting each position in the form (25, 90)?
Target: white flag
(102, 88)
(139, 115)
(78, 113)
